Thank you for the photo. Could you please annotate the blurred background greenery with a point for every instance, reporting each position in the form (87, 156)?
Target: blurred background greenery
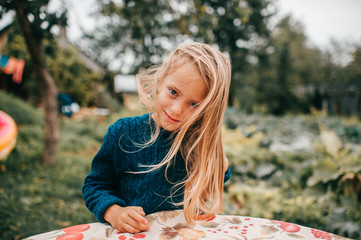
(292, 132)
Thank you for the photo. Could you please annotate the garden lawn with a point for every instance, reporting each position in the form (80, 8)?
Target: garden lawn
(36, 198)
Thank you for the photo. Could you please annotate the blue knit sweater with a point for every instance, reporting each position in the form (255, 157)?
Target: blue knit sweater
(110, 181)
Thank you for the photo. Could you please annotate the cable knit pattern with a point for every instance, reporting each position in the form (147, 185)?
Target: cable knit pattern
(111, 181)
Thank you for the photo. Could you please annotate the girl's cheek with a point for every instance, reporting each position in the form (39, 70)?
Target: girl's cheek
(164, 100)
(160, 99)
(188, 113)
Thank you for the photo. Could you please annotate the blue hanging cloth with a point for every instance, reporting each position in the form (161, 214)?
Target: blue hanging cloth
(3, 61)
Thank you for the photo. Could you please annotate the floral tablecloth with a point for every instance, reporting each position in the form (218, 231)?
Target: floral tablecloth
(171, 225)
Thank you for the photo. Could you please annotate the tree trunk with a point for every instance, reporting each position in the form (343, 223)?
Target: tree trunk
(48, 88)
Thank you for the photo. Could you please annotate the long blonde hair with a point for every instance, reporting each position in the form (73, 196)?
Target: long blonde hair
(199, 139)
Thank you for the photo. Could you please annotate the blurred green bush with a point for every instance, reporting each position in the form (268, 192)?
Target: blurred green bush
(301, 169)
(35, 198)
(22, 112)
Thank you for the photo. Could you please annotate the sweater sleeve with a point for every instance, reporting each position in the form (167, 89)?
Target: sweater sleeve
(99, 186)
(227, 175)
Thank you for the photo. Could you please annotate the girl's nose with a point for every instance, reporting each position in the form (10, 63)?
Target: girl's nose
(177, 109)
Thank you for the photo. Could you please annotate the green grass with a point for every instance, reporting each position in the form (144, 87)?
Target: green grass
(20, 111)
(36, 198)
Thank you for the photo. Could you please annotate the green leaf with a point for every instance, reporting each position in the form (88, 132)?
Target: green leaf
(324, 172)
(331, 142)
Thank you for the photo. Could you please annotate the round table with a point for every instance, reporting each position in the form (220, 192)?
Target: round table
(169, 225)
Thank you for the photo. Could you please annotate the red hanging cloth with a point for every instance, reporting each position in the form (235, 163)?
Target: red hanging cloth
(15, 67)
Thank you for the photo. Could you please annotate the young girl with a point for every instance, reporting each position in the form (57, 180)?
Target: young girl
(172, 157)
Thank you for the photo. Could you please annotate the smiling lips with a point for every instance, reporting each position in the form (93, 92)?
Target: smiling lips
(170, 118)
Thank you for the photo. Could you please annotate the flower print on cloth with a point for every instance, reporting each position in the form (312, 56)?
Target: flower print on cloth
(171, 225)
(74, 232)
(132, 237)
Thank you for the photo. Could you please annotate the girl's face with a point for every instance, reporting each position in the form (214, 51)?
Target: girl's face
(179, 96)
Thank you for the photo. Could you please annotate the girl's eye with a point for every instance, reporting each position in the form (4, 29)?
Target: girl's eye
(173, 92)
(193, 105)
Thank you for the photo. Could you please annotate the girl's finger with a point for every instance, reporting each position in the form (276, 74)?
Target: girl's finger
(139, 210)
(140, 221)
(130, 229)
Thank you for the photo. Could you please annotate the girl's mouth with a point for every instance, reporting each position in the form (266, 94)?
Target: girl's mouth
(170, 118)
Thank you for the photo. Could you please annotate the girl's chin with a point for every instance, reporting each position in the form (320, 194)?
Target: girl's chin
(169, 127)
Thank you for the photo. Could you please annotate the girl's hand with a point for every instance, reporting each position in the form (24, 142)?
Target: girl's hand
(126, 219)
(226, 164)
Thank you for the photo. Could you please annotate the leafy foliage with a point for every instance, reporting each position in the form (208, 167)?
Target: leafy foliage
(285, 66)
(36, 22)
(138, 30)
(275, 70)
(295, 169)
(20, 111)
(41, 20)
(240, 29)
(16, 47)
(71, 76)
(145, 30)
